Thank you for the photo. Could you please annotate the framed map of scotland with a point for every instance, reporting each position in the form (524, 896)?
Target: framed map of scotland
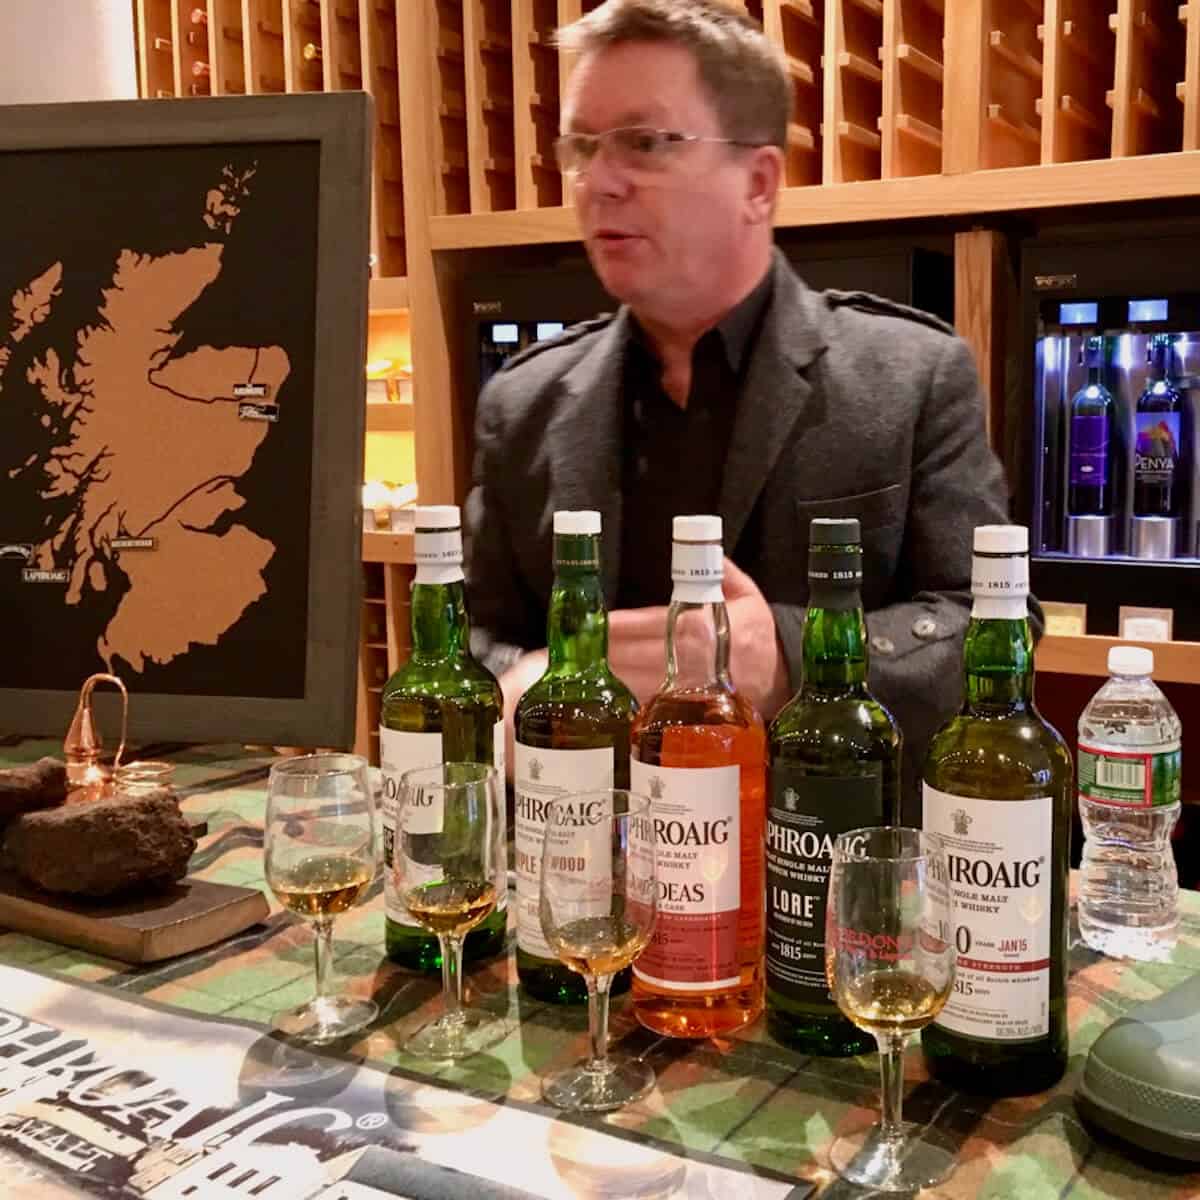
(182, 336)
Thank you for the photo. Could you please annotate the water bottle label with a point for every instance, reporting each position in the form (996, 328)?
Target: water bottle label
(1130, 779)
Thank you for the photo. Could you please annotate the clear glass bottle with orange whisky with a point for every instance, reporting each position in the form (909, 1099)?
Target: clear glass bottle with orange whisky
(699, 752)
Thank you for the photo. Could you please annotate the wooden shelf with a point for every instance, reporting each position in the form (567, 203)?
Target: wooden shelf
(1174, 662)
(919, 130)
(388, 294)
(387, 547)
(857, 65)
(799, 8)
(858, 135)
(1001, 191)
(1020, 59)
(800, 71)
(922, 62)
(388, 416)
(874, 7)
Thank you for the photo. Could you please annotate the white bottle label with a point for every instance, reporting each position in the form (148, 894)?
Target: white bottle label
(697, 824)
(998, 855)
(540, 776)
(400, 751)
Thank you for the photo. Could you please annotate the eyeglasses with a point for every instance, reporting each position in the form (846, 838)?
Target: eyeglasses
(632, 148)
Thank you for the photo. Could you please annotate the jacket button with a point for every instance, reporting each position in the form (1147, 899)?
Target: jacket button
(924, 627)
(884, 645)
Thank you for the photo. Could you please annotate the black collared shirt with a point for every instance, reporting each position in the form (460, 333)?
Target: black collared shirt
(674, 458)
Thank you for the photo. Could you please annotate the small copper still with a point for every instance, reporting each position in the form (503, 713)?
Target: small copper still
(88, 778)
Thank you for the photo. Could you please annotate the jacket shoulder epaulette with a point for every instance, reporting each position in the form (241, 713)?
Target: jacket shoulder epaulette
(867, 302)
(571, 334)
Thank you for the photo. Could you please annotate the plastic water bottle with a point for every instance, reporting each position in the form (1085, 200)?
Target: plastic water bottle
(1129, 795)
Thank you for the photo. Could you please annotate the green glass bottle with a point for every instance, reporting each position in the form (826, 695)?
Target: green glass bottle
(998, 791)
(572, 735)
(834, 765)
(440, 706)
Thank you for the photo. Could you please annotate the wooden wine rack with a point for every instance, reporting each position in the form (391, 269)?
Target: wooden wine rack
(262, 44)
(913, 60)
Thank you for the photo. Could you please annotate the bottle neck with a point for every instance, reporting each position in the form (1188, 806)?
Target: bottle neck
(697, 645)
(998, 662)
(577, 624)
(440, 627)
(1095, 375)
(834, 652)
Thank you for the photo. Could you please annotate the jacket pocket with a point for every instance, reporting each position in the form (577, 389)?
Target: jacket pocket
(874, 510)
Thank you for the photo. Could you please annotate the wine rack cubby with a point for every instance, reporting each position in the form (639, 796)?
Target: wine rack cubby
(853, 90)
(452, 191)
(1147, 115)
(797, 27)
(537, 95)
(379, 64)
(156, 48)
(913, 62)
(262, 45)
(1080, 66)
(303, 54)
(189, 38)
(488, 104)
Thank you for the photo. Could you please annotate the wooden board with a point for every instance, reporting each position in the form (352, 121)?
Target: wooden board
(190, 915)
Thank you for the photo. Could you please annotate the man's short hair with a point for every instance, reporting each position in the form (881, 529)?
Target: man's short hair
(744, 74)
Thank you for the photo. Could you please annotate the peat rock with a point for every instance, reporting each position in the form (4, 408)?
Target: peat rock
(102, 847)
(36, 785)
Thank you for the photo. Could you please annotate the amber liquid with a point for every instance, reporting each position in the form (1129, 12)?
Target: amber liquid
(453, 906)
(322, 886)
(599, 945)
(712, 728)
(890, 1001)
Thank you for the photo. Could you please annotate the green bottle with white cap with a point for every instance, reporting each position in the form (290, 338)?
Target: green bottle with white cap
(998, 792)
(443, 705)
(571, 735)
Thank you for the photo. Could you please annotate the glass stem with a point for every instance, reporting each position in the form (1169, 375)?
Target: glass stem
(323, 947)
(452, 982)
(891, 1068)
(597, 987)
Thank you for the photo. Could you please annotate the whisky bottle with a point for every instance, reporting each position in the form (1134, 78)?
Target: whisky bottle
(571, 735)
(440, 706)
(997, 790)
(1156, 454)
(834, 765)
(1090, 490)
(699, 753)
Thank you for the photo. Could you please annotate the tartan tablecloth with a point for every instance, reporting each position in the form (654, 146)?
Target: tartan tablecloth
(744, 1098)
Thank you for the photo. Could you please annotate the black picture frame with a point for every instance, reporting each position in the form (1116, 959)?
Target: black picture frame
(340, 125)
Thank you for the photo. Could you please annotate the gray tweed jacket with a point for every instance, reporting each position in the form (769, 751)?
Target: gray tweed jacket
(852, 406)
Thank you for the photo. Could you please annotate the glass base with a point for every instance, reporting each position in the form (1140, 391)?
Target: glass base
(582, 1089)
(326, 1019)
(915, 1160)
(458, 1035)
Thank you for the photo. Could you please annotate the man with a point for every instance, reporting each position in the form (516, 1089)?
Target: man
(724, 385)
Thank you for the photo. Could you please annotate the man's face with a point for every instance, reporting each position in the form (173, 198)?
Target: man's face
(665, 238)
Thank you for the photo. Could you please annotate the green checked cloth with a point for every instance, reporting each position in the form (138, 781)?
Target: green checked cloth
(743, 1098)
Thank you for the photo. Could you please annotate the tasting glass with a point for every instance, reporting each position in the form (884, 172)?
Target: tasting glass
(319, 847)
(889, 959)
(598, 901)
(450, 867)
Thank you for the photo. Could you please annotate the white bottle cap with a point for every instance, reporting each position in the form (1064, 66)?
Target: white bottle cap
(581, 522)
(696, 529)
(437, 516)
(1130, 660)
(1001, 539)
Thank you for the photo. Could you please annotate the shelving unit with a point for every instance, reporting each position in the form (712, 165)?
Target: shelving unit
(853, 91)
(1174, 662)
(378, 51)
(386, 644)
(913, 58)
(1080, 65)
(226, 50)
(1150, 62)
(452, 189)
(537, 97)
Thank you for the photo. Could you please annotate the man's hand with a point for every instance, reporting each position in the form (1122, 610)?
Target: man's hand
(756, 660)
(637, 646)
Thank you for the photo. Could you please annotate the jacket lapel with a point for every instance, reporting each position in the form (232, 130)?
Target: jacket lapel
(773, 396)
(585, 441)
